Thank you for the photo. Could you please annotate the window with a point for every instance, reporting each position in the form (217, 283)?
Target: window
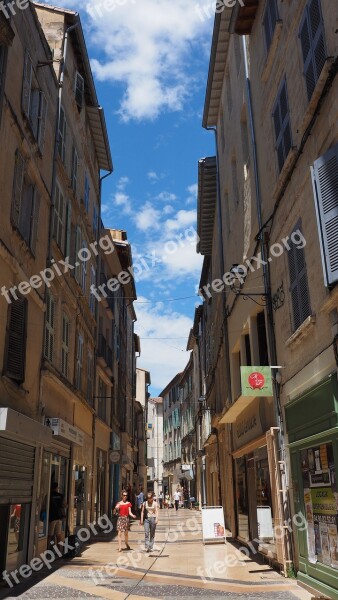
(49, 327)
(325, 186)
(281, 119)
(65, 346)
(74, 170)
(312, 41)
(102, 400)
(300, 298)
(62, 135)
(92, 287)
(68, 229)
(79, 362)
(77, 250)
(59, 217)
(90, 378)
(86, 193)
(33, 102)
(84, 268)
(269, 21)
(25, 203)
(15, 348)
(79, 90)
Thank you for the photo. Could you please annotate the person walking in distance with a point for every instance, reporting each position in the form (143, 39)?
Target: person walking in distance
(177, 497)
(123, 509)
(140, 500)
(57, 513)
(160, 499)
(149, 517)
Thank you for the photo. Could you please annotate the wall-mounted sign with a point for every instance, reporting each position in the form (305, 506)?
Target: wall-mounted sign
(114, 457)
(62, 429)
(250, 424)
(115, 441)
(256, 381)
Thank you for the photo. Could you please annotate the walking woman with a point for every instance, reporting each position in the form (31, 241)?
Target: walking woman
(149, 517)
(123, 509)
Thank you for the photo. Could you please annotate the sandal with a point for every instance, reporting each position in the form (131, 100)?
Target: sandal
(127, 546)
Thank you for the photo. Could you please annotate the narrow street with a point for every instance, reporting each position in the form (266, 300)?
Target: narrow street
(180, 566)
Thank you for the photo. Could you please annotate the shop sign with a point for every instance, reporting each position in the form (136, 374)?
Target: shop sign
(115, 441)
(250, 424)
(256, 381)
(63, 429)
(114, 457)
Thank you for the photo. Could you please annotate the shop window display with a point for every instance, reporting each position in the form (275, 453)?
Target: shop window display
(321, 504)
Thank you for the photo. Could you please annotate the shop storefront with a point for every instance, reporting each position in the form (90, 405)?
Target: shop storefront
(254, 502)
(20, 439)
(312, 427)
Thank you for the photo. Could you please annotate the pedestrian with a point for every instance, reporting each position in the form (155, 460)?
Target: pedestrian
(57, 513)
(140, 500)
(149, 517)
(160, 499)
(167, 500)
(123, 509)
(177, 497)
(186, 498)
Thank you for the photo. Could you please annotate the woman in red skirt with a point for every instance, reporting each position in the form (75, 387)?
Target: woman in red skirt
(123, 508)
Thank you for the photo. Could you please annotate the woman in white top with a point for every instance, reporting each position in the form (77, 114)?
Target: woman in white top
(149, 517)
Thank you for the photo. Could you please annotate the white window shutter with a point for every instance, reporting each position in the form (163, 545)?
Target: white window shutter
(325, 185)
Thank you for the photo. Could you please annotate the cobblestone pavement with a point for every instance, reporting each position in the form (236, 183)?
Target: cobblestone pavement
(180, 566)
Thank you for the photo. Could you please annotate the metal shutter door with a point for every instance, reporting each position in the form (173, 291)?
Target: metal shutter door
(16, 471)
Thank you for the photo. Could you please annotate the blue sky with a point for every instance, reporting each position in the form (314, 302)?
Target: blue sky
(150, 62)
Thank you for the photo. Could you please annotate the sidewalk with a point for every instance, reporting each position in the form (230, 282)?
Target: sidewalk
(180, 565)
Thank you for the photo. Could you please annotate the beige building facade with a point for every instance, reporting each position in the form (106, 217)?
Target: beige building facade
(268, 230)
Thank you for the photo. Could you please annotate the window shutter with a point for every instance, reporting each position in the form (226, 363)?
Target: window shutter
(325, 184)
(299, 289)
(77, 249)
(35, 220)
(15, 352)
(318, 42)
(27, 85)
(87, 193)
(34, 111)
(49, 328)
(19, 172)
(79, 90)
(65, 345)
(43, 108)
(75, 164)
(68, 229)
(26, 212)
(305, 40)
(62, 135)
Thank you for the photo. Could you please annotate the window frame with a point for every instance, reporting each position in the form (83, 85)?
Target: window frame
(284, 123)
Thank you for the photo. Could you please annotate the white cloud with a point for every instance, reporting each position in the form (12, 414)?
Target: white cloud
(148, 217)
(163, 358)
(152, 176)
(166, 197)
(120, 198)
(168, 210)
(192, 191)
(182, 219)
(147, 46)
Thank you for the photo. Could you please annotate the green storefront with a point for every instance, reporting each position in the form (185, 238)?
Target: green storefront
(312, 427)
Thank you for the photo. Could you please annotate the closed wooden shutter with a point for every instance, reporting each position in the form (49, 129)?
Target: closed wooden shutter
(312, 41)
(35, 220)
(16, 471)
(299, 289)
(15, 350)
(79, 90)
(49, 327)
(27, 85)
(325, 184)
(42, 118)
(281, 119)
(18, 181)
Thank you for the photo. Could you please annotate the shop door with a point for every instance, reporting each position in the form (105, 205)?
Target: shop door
(252, 501)
(59, 473)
